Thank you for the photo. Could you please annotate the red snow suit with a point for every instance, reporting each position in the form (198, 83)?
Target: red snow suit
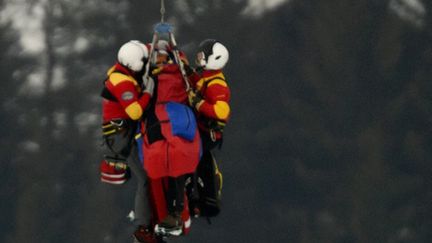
(176, 148)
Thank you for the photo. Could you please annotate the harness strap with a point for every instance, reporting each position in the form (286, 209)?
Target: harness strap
(113, 126)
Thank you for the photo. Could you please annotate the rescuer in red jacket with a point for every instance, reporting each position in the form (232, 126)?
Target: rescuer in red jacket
(126, 97)
(210, 98)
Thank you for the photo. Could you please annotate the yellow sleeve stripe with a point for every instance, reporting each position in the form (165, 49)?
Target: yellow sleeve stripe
(217, 81)
(134, 111)
(222, 109)
(117, 78)
(111, 70)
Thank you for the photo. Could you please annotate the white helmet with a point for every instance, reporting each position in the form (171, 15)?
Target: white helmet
(133, 55)
(212, 55)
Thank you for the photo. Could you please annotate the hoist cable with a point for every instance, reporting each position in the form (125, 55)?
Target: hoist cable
(162, 11)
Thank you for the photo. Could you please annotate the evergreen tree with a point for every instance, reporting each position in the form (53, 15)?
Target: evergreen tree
(13, 69)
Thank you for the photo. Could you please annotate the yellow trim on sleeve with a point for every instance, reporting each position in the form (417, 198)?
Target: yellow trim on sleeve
(221, 109)
(199, 84)
(134, 110)
(218, 78)
(111, 70)
(117, 78)
(218, 81)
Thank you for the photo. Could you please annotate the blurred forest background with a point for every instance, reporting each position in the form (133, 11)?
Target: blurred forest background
(330, 137)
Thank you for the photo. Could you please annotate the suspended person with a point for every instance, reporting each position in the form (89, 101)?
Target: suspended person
(210, 97)
(171, 140)
(123, 106)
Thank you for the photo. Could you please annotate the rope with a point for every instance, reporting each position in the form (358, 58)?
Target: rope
(150, 55)
(178, 60)
(162, 11)
(166, 28)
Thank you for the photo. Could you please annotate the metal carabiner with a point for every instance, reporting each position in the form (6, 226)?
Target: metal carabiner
(212, 135)
(114, 123)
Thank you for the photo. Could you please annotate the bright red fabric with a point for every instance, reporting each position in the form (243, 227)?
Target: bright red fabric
(159, 205)
(211, 93)
(116, 109)
(172, 156)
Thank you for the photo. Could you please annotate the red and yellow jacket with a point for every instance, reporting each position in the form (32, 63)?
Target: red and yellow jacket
(211, 85)
(128, 102)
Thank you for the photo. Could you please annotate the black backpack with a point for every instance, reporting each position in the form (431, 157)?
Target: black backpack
(205, 187)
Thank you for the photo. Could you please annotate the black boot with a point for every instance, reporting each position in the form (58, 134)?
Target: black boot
(172, 224)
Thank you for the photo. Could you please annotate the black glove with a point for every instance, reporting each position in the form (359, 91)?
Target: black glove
(189, 71)
(195, 99)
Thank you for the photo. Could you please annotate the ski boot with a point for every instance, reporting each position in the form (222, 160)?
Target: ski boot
(171, 225)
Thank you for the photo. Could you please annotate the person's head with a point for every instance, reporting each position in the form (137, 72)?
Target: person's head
(212, 55)
(162, 49)
(133, 55)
